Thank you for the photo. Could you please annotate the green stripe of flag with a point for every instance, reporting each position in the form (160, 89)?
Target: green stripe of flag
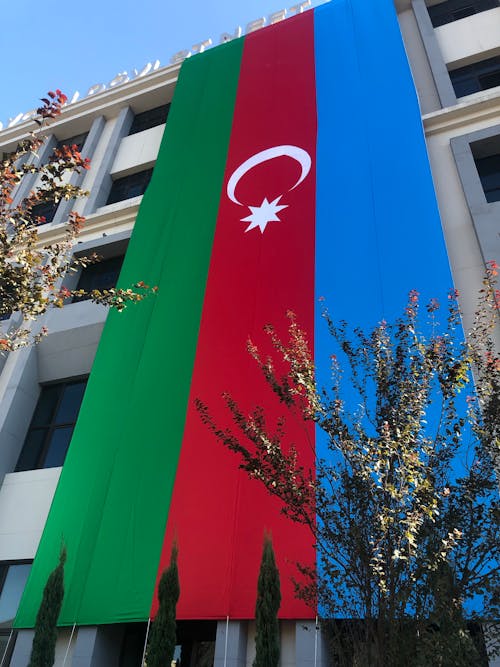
(112, 500)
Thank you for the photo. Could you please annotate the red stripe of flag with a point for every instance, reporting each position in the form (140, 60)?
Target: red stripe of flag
(218, 516)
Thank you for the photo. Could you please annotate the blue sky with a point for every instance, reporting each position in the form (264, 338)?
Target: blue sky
(73, 45)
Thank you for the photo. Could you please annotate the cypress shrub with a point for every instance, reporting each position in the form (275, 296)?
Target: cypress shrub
(162, 638)
(267, 639)
(44, 641)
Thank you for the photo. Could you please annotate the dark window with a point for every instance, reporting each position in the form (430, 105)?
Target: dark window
(46, 209)
(476, 77)
(152, 118)
(102, 275)
(13, 577)
(132, 646)
(78, 140)
(7, 299)
(129, 186)
(7, 643)
(52, 426)
(489, 172)
(453, 10)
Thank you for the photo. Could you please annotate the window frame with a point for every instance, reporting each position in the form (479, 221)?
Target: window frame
(106, 247)
(473, 74)
(50, 426)
(84, 273)
(78, 139)
(479, 161)
(466, 148)
(446, 12)
(4, 567)
(146, 174)
(145, 120)
(40, 207)
(11, 635)
(9, 632)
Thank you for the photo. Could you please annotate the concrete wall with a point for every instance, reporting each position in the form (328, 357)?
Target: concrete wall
(63, 653)
(461, 240)
(25, 499)
(287, 643)
(301, 644)
(69, 349)
(137, 152)
(422, 73)
(432, 51)
(471, 39)
(19, 392)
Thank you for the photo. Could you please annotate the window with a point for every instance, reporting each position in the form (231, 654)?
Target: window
(453, 10)
(78, 140)
(129, 186)
(132, 646)
(13, 577)
(46, 209)
(476, 77)
(152, 118)
(488, 169)
(102, 275)
(7, 297)
(52, 426)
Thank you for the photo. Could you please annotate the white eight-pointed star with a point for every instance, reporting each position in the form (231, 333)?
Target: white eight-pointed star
(261, 215)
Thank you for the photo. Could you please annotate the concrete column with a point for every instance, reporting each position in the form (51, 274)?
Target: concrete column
(97, 646)
(231, 644)
(19, 391)
(66, 206)
(29, 180)
(22, 649)
(310, 648)
(103, 181)
(438, 66)
(484, 215)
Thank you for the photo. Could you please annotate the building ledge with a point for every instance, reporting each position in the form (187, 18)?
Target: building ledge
(107, 103)
(107, 219)
(477, 108)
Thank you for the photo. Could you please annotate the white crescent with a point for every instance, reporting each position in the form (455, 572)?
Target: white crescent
(298, 154)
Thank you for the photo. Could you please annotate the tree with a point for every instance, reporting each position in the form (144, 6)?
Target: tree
(44, 641)
(162, 638)
(30, 272)
(404, 508)
(267, 638)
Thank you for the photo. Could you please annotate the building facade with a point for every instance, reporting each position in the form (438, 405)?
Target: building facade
(453, 49)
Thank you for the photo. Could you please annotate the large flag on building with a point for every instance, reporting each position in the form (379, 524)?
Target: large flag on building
(293, 166)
